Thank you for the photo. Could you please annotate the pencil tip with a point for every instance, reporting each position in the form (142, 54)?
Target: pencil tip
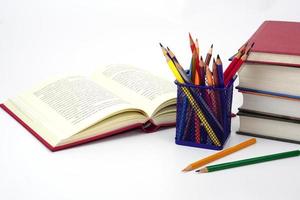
(218, 57)
(168, 48)
(161, 45)
(203, 170)
(187, 169)
(190, 36)
(212, 45)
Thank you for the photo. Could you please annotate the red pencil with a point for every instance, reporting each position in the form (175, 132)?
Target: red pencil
(192, 43)
(195, 61)
(236, 58)
(237, 66)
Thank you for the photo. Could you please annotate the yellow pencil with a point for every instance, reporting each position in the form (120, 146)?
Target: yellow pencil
(172, 65)
(219, 155)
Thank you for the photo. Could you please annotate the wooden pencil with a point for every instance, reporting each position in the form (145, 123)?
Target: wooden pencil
(178, 66)
(235, 59)
(217, 93)
(237, 66)
(249, 161)
(208, 55)
(220, 71)
(219, 155)
(215, 73)
(192, 43)
(197, 47)
(208, 75)
(195, 62)
(198, 80)
(202, 71)
(212, 94)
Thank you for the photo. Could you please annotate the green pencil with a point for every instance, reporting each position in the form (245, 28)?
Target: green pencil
(249, 161)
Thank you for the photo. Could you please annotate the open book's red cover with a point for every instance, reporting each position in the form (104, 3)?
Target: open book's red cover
(150, 128)
(277, 37)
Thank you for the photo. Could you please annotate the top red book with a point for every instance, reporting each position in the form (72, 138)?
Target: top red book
(276, 42)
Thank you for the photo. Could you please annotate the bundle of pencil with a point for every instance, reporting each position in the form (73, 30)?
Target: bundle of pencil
(210, 97)
(200, 74)
(182, 78)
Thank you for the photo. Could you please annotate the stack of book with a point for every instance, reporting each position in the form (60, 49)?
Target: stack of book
(270, 83)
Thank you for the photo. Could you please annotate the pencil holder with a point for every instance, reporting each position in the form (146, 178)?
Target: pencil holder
(203, 115)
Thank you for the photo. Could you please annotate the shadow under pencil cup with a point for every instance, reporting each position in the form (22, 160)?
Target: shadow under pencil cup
(203, 116)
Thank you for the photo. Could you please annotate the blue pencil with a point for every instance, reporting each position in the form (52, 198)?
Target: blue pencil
(221, 85)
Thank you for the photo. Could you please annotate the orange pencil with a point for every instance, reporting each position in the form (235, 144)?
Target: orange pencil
(219, 155)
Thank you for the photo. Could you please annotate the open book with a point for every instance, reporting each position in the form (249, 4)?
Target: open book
(67, 111)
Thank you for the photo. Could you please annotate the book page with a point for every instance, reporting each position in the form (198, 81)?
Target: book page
(70, 104)
(137, 86)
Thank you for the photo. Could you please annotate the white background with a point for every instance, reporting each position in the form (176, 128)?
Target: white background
(39, 39)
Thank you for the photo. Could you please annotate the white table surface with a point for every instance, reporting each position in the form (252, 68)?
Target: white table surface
(40, 39)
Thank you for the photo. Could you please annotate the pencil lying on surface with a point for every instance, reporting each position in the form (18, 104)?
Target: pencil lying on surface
(249, 161)
(191, 99)
(219, 155)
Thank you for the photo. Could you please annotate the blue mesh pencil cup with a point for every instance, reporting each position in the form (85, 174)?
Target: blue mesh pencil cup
(210, 120)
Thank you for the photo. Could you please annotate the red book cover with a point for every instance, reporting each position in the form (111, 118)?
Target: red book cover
(149, 128)
(276, 37)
